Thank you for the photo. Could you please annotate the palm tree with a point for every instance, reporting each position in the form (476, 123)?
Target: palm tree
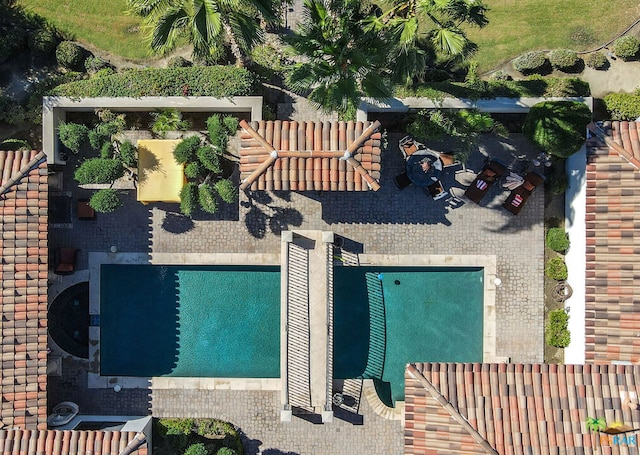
(418, 26)
(206, 24)
(342, 61)
(595, 425)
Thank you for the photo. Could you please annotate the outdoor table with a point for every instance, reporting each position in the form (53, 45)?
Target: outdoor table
(417, 174)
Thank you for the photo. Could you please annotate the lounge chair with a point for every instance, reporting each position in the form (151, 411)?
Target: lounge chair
(436, 190)
(64, 260)
(485, 180)
(518, 197)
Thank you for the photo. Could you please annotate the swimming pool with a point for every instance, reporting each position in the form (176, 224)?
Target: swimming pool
(224, 321)
(430, 314)
(189, 321)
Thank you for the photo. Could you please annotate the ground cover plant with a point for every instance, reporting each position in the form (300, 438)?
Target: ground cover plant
(217, 81)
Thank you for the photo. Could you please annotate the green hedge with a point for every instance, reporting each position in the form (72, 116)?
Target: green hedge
(623, 106)
(216, 81)
(558, 329)
(533, 86)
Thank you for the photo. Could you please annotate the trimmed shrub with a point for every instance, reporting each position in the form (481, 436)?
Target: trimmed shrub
(217, 81)
(105, 200)
(556, 269)
(596, 60)
(558, 329)
(175, 426)
(43, 42)
(127, 154)
(194, 170)
(207, 198)
(72, 135)
(623, 106)
(531, 62)
(230, 125)
(11, 111)
(557, 239)
(209, 158)
(626, 47)
(196, 449)
(94, 64)
(99, 170)
(178, 62)
(106, 151)
(226, 451)
(69, 55)
(217, 131)
(14, 40)
(500, 75)
(557, 127)
(227, 191)
(189, 198)
(187, 149)
(96, 139)
(563, 59)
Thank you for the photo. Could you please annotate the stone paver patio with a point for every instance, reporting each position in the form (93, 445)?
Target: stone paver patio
(385, 222)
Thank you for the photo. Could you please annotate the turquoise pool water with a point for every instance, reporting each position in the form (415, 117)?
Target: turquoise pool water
(429, 314)
(189, 321)
(225, 321)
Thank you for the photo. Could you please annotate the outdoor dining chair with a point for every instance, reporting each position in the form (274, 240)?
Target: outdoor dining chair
(436, 191)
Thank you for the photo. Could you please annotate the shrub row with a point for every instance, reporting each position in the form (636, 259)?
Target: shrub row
(216, 81)
(623, 106)
(533, 86)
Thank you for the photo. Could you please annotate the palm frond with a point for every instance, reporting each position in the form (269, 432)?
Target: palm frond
(167, 29)
(451, 41)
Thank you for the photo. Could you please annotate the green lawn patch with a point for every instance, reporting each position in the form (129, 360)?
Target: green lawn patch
(106, 25)
(516, 27)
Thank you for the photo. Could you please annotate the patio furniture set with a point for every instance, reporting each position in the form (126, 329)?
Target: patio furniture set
(424, 169)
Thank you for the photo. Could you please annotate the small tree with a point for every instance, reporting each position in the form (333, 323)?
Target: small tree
(105, 200)
(207, 198)
(209, 158)
(557, 127)
(72, 135)
(596, 60)
(99, 170)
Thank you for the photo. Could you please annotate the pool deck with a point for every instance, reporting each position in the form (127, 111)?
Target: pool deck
(386, 223)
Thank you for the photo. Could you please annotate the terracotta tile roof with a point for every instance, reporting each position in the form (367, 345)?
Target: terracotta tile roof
(23, 303)
(310, 156)
(612, 317)
(71, 442)
(515, 408)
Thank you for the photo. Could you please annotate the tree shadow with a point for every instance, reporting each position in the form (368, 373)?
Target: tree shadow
(265, 215)
(177, 223)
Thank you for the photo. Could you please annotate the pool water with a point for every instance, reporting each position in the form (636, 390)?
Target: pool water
(189, 321)
(430, 315)
(225, 321)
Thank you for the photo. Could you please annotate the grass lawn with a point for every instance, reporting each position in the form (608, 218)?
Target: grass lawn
(517, 26)
(104, 24)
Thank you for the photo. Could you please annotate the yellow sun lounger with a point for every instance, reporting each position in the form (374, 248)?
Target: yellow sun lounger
(160, 178)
